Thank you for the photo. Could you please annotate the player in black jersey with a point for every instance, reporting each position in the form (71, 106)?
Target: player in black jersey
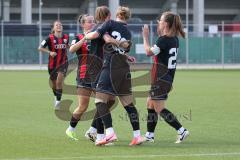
(164, 53)
(57, 44)
(90, 62)
(102, 15)
(115, 77)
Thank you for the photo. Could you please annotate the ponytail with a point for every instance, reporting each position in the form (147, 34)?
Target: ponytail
(174, 24)
(177, 24)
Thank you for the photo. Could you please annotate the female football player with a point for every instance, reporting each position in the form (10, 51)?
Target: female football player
(84, 88)
(90, 62)
(57, 44)
(115, 77)
(164, 53)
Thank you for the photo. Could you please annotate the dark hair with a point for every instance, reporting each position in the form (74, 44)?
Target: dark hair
(123, 13)
(174, 24)
(52, 26)
(102, 12)
(82, 18)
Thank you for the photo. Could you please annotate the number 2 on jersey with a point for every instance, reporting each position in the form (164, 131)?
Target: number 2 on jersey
(173, 59)
(118, 36)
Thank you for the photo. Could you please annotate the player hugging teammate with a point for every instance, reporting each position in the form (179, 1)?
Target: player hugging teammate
(104, 70)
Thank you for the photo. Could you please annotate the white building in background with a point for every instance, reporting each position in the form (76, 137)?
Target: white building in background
(200, 11)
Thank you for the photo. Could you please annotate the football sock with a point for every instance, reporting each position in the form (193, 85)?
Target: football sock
(73, 122)
(92, 130)
(110, 103)
(136, 133)
(181, 130)
(70, 128)
(54, 92)
(152, 120)
(59, 94)
(109, 131)
(100, 137)
(170, 119)
(133, 116)
(94, 121)
(104, 114)
(149, 134)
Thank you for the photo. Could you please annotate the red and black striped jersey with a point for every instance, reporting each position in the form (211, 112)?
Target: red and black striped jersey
(82, 55)
(58, 45)
(89, 64)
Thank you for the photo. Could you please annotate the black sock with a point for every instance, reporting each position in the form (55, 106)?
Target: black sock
(133, 116)
(98, 124)
(97, 121)
(54, 92)
(59, 94)
(73, 122)
(152, 120)
(94, 121)
(110, 103)
(170, 119)
(104, 114)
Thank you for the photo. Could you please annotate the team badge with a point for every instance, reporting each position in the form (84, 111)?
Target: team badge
(65, 40)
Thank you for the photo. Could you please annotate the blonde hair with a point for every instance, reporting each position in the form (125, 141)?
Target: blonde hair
(174, 24)
(123, 13)
(52, 26)
(102, 13)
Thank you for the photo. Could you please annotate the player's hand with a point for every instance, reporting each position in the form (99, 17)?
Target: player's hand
(131, 59)
(125, 44)
(53, 54)
(145, 31)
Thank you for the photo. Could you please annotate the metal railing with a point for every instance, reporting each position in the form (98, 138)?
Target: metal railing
(218, 44)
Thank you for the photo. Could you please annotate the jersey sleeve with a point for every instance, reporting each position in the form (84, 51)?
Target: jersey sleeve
(160, 45)
(45, 43)
(104, 28)
(75, 40)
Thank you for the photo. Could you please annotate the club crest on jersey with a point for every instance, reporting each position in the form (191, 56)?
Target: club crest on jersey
(65, 40)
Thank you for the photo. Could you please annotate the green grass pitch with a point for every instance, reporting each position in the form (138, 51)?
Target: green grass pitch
(206, 102)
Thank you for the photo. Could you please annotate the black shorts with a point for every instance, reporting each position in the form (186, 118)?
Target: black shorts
(161, 87)
(82, 83)
(54, 71)
(116, 82)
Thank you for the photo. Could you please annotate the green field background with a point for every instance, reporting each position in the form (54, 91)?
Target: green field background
(206, 102)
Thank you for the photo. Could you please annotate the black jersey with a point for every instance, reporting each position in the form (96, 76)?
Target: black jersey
(115, 29)
(119, 31)
(167, 56)
(97, 44)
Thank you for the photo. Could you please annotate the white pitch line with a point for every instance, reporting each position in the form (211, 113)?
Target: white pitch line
(134, 156)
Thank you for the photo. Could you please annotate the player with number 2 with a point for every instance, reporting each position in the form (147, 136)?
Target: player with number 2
(164, 54)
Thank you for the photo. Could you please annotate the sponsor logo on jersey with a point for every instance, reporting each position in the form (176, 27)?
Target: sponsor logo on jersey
(60, 46)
